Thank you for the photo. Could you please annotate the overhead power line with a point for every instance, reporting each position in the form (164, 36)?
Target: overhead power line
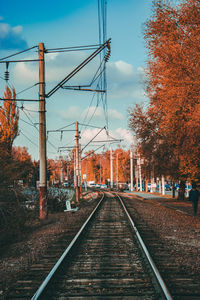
(92, 152)
(77, 69)
(75, 48)
(93, 138)
(18, 53)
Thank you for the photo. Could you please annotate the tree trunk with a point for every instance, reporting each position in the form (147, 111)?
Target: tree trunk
(173, 190)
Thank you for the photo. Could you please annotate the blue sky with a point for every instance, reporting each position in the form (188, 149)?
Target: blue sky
(24, 24)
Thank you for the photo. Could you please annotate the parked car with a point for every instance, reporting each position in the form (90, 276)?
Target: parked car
(97, 185)
(104, 186)
(122, 186)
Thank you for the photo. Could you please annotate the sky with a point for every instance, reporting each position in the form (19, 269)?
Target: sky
(64, 23)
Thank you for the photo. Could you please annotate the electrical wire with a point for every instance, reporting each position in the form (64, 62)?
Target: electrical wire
(18, 53)
(27, 89)
(93, 138)
(26, 122)
(33, 123)
(20, 131)
(74, 48)
(67, 126)
(29, 110)
(87, 125)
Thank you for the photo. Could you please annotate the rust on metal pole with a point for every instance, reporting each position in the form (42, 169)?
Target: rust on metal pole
(42, 134)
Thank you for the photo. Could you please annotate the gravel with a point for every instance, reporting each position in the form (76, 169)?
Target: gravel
(171, 220)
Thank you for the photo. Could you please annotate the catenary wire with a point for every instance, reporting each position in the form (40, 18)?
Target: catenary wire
(18, 53)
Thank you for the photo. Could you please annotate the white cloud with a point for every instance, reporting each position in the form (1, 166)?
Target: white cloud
(96, 113)
(124, 67)
(17, 29)
(10, 37)
(25, 73)
(126, 135)
(114, 114)
(118, 134)
(72, 113)
(4, 29)
(124, 82)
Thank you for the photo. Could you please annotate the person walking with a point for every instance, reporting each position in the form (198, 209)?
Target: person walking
(194, 197)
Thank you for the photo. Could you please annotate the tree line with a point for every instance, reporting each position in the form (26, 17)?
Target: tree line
(168, 128)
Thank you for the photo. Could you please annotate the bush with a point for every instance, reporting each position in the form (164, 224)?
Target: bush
(12, 216)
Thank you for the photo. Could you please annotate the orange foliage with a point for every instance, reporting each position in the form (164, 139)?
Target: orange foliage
(21, 154)
(9, 115)
(97, 166)
(170, 127)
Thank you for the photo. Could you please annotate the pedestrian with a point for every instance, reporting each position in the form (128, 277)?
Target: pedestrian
(194, 197)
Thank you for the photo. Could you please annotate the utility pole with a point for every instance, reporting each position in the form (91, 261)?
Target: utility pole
(131, 166)
(111, 168)
(61, 170)
(77, 165)
(139, 162)
(163, 184)
(74, 157)
(42, 133)
(100, 171)
(117, 168)
(80, 172)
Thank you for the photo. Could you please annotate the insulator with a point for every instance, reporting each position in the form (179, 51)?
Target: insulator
(107, 56)
(6, 75)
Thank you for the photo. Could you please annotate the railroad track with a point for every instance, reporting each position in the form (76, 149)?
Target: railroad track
(183, 284)
(105, 260)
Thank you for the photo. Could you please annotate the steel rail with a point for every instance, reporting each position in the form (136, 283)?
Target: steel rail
(148, 256)
(63, 256)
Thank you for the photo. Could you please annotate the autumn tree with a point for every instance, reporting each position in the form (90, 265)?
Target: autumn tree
(169, 128)
(153, 144)
(97, 166)
(23, 167)
(9, 116)
(172, 37)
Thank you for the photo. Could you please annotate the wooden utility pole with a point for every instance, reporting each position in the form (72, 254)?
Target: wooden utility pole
(42, 133)
(61, 170)
(140, 173)
(117, 170)
(77, 180)
(111, 168)
(80, 173)
(131, 168)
